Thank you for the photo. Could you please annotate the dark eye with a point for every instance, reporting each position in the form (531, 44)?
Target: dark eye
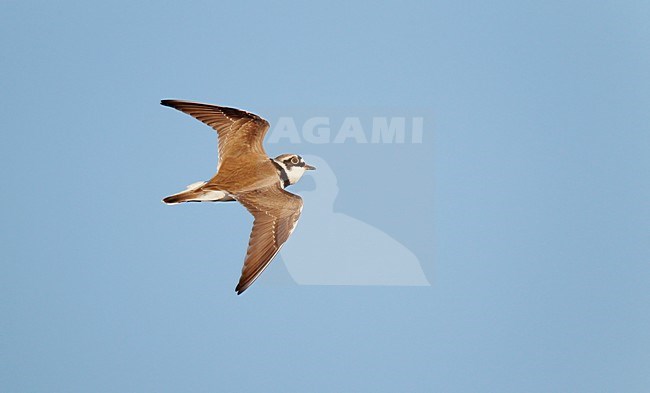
(294, 160)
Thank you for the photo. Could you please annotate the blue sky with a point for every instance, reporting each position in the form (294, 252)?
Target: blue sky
(526, 204)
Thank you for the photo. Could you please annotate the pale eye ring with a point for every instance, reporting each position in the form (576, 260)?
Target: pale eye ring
(294, 160)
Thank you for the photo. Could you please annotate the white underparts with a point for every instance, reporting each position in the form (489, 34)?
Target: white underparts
(210, 196)
(196, 185)
(192, 193)
(207, 195)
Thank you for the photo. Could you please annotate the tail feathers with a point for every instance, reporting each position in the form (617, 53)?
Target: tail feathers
(195, 193)
(177, 198)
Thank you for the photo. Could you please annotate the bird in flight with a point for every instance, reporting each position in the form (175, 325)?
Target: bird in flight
(247, 175)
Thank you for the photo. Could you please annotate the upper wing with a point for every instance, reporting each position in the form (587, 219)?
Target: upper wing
(239, 131)
(276, 213)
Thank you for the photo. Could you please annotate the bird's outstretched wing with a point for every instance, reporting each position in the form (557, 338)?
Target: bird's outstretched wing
(239, 132)
(276, 213)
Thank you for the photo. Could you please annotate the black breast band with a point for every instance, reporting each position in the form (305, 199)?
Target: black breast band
(282, 173)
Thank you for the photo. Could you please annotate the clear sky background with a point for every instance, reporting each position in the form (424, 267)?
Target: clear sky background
(533, 183)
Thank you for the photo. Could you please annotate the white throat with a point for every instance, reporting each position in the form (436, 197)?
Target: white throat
(294, 173)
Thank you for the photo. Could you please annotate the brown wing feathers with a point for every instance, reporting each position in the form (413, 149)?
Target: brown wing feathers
(237, 129)
(276, 213)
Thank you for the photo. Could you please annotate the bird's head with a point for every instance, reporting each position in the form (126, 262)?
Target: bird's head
(293, 165)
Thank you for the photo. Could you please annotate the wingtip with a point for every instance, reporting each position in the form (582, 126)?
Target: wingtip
(166, 102)
(239, 290)
(241, 287)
